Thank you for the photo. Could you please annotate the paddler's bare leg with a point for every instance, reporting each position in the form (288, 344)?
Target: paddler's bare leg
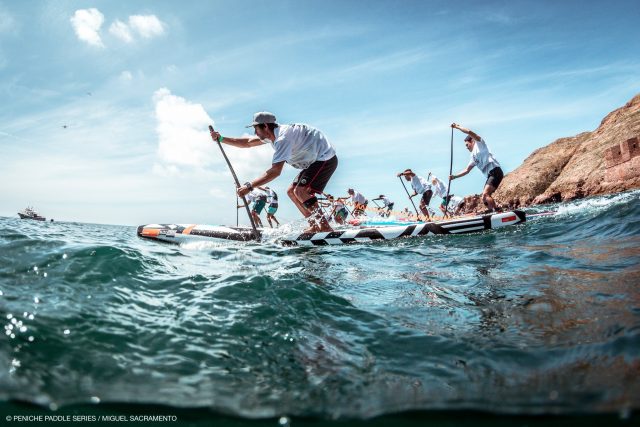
(305, 199)
(487, 197)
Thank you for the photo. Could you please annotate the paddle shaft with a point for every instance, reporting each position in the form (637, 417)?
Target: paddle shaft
(409, 195)
(446, 203)
(256, 235)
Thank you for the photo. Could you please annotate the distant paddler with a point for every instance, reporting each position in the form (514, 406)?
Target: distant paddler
(272, 205)
(420, 186)
(259, 200)
(440, 190)
(339, 211)
(482, 157)
(387, 205)
(359, 202)
(303, 147)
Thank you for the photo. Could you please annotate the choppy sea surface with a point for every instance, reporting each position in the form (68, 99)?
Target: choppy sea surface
(534, 323)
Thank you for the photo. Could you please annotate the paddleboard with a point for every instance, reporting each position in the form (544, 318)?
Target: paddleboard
(182, 233)
(362, 235)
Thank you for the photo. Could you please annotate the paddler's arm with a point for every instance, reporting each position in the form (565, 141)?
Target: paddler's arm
(253, 141)
(462, 173)
(272, 173)
(469, 132)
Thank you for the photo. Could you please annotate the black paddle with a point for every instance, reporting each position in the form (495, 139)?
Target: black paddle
(256, 234)
(446, 204)
(410, 199)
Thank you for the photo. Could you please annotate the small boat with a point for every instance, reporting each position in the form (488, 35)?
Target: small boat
(29, 213)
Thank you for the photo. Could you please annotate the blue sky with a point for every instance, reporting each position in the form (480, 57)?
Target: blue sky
(137, 83)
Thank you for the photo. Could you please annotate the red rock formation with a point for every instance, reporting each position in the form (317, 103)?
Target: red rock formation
(604, 161)
(622, 162)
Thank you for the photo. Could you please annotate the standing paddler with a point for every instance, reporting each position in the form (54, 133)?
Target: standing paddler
(339, 211)
(420, 186)
(441, 191)
(359, 202)
(272, 205)
(482, 157)
(303, 147)
(259, 199)
(387, 205)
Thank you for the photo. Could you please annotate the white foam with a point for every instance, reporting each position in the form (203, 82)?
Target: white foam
(596, 204)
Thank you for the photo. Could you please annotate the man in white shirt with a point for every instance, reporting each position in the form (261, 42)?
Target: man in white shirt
(387, 207)
(441, 191)
(339, 211)
(272, 205)
(359, 202)
(303, 147)
(420, 186)
(481, 157)
(259, 199)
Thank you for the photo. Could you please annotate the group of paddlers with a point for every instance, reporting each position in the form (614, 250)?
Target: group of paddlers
(306, 148)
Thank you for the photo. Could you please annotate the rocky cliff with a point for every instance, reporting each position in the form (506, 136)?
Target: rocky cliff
(604, 161)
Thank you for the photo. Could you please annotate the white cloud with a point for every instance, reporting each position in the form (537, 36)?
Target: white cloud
(126, 76)
(185, 146)
(147, 26)
(87, 23)
(120, 30)
(183, 139)
(166, 170)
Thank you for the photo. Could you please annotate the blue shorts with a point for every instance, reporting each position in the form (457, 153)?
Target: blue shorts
(271, 209)
(342, 213)
(258, 205)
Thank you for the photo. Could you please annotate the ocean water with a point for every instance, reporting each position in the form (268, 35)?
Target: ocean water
(537, 323)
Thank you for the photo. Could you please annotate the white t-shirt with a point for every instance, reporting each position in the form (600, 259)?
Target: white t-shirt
(300, 145)
(272, 197)
(419, 184)
(358, 198)
(439, 187)
(482, 158)
(386, 201)
(255, 195)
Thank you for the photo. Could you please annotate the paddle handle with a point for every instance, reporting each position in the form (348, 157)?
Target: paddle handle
(256, 235)
(446, 203)
(410, 199)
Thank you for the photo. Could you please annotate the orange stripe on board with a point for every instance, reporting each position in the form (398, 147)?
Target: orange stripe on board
(188, 229)
(150, 232)
(509, 218)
